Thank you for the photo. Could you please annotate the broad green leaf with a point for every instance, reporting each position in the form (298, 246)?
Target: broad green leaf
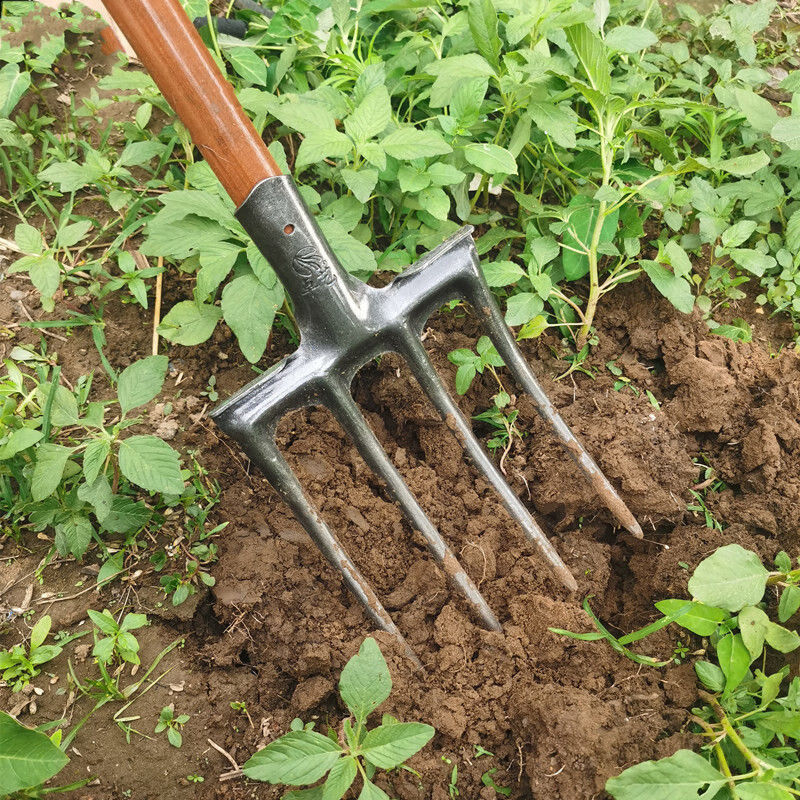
(320, 144)
(752, 260)
(578, 236)
(355, 257)
(126, 515)
(45, 275)
(48, 470)
(135, 154)
(111, 567)
(442, 174)
(365, 681)
(248, 64)
(787, 130)
(19, 440)
(793, 231)
(73, 535)
(465, 374)
(340, 779)
(523, 307)
(98, 494)
(296, 759)
(412, 179)
(70, 235)
(196, 203)
(150, 463)
(630, 39)
(28, 238)
(742, 165)
(189, 323)
(734, 660)
(249, 310)
(753, 624)
(786, 723)
(789, 603)
(94, 457)
(141, 382)
(71, 176)
(482, 19)
(182, 237)
(678, 777)
(360, 182)
(435, 202)
(370, 117)
(27, 757)
(738, 233)
(762, 791)
(593, 57)
(40, 630)
(388, 746)
(783, 640)
(372, 792)
(678, 259)
(13, 85)
(560, 123)
(677, 290)
(700, 619)
(502, 273)
(408, 143)
(729, 578)
(216, 262)
(710, 675)
(104, 621)
(451, 71)
(490, 158)
(758, 111)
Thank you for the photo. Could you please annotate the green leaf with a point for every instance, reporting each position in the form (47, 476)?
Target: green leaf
(783, 640)
(40, 630)
(104, 621)
(734, 660)
(150, 463)
(248, 64)
(98, 494)
(762, 791)
(28, 238)
(451, 71)
(752, 260)
(340, 779)
(630, 39)
(787, 130)
(126, 515)
(710, 675)
(700, 619)
(355, 257)
(45, 274)
(27, 757)
(48, 470)
(365, 681)
(502, 273)
(523, 307)
(13, 85)
(593, 57)
(408, 143)
(786, 723)
(249, 309)
(442, 174)
(482, 19)
(582, 220)
(19, 440)
(370, 117)
(758, 111)
(189, 323)
(789, 603)
(753, 624)
(71, 176)
(372, 792)
(465, 374)
(141, 382)
(730, 578)
(320, 144)
(138, 153)
(73, 535)
(490, 158)
(678, 259)
(111, 567)
(360, 182)
(388, 746)
(558, 122)
(739, 233)
(94, 457)
(742, 165)
(435, 202)
(677, 290)
(297, 758)
(678, 777)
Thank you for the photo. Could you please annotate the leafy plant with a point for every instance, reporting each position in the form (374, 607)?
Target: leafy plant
(167, 721)
(115, 642)
(303, 756)
(20, 664)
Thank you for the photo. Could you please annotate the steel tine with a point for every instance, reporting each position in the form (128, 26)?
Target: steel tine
(509, 351)
(285, 482)
(432, 385)
(352, 421)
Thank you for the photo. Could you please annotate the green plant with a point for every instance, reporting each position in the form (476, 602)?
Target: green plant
(20, 665)
(195, 778)
(113, 641)
(167, 721)
(749, 718)
(303, 756)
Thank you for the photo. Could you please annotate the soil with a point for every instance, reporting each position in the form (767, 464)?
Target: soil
(559, 716)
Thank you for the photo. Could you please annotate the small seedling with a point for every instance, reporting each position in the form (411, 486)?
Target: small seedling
(116, 643)
(19, 666)
(195, 778)
(487, 780)
(167, 721)
(239, 705)
(303, 756)
(470, 363)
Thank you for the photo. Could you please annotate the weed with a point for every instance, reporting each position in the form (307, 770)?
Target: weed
(20, 665)
(303, 756)
(195, 778)
(487, 780)
(116, 642)
(167, 721)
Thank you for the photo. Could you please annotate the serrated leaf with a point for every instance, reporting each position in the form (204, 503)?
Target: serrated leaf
(592, 55)
(490, 158)
(435, 202)
(248, 308)
(189, 323)
(365, 681)
(678, 777)
(247, 63)
(135, 154)
(360, 182)
(141, 382)
(729, 578)
(73, 535)
(126, 515)
(27, 757)
(388, 746)
(48, 470)
(150, 463)
(98, 494)
(71, 176)
(523, 307)
(451, 71)
(560, 123)
(94, 457)
(502, 273)
(630, 39)
(28, 239)
(408, 143)
(739, 233)
(296, 759)
(340, 779)
(320, 144)
(482, 20)
(370, 117)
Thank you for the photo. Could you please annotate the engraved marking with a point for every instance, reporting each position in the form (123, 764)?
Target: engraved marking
(310, 266)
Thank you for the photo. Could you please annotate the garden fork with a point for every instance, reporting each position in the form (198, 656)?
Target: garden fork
(343, 323)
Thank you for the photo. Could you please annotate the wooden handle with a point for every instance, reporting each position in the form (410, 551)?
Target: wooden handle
(180, 64)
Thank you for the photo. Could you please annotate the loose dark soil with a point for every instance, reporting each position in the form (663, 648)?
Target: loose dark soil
(558, 715)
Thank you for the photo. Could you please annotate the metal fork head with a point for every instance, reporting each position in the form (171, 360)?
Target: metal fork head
(343, 324)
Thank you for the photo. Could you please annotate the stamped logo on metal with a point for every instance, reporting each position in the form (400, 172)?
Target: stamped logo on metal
(313, 270)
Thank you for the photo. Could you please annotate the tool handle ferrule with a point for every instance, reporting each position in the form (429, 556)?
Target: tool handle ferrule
(177, 59)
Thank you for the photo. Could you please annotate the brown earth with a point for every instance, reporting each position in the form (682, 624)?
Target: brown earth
(559, 716)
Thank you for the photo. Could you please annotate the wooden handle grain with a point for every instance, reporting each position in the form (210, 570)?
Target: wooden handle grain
(180, 64)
